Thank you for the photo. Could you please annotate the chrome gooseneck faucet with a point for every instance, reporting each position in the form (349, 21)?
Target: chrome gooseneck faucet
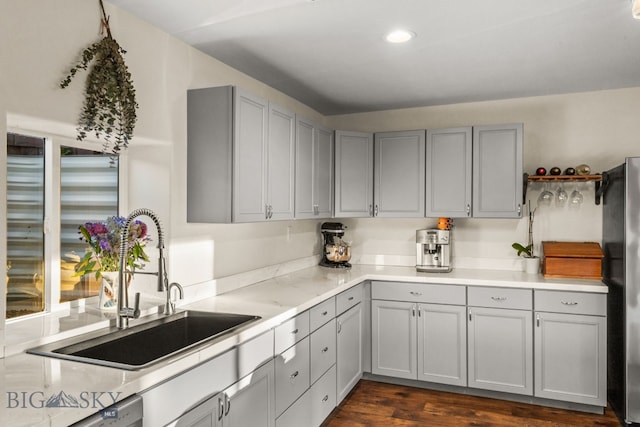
(124, 311)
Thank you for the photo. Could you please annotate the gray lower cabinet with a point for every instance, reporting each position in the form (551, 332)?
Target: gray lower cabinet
(500, 346)
(314, 170)
(251, 401)
(571, 347)
(349, 341)
(399, 174)
(497, 171)
(442, 338)
(353, 174)
(394, 340)
(449, 173)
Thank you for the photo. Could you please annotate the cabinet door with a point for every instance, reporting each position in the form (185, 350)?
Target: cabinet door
(250, 157)
(571, 358)
(207, 414)
(323, 188)
(448, 188)
(354, 174)
(399, 174)
(442, 344)
(349, 350)
(281, 163)
(497, 171)
(500, 350)
(251, 401)
(323, 397)
(394, 339)
(305, 168)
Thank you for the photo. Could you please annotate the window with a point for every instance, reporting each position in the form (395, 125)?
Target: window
(81, 185)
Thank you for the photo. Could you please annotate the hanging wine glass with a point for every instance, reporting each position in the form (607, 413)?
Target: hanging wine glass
(545, 197)
(561, 196)
(576, 197)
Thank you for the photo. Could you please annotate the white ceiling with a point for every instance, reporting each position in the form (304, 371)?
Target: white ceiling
(331, 55)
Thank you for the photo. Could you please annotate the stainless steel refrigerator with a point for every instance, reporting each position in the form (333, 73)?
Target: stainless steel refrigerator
(621, 272)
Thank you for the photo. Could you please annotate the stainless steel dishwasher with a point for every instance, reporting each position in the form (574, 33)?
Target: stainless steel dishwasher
(126, 413)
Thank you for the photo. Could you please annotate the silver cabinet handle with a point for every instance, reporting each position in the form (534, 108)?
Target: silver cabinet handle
(324, 313)
(220, 408)
(270, 211)
(266, 211)
(295, 331)
(499, 299)
(413, 310)
(339, 326)
(469, 315)
(350, 299)
(468, 209)
(370, 210)
(375, 212)
(416, 294)
(228, 404)
(325, 398)
(519, 209)
(419, 310)
(324, 350)
(538, 320)
(294, 375)
(569, 302)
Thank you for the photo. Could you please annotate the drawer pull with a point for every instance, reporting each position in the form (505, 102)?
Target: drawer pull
(499, 299)
(295, 331)
(324, 313)
(294, 375)
(324, 350)
(325, 398)
(350, 298)
(416, 294)
(569, 302)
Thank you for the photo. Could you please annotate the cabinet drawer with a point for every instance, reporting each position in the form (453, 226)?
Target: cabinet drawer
(518, 299)
(419, 292)
(348, 299)
(298, 414)
(571, 302)
(292, 375)
(323, 350)
(323, 397)
(322, 313)
(291, 331)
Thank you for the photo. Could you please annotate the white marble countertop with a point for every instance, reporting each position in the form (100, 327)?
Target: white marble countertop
(28, 381)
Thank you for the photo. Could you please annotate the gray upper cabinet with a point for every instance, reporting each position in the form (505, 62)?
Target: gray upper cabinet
(314, 170)
(399, 184)
(240, 157)
(449, 176)
(353, 174)
(281, 163)
(497, 171)
(250, 157)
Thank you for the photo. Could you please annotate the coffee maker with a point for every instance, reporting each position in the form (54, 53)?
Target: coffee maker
(336, 253)
(433, 250)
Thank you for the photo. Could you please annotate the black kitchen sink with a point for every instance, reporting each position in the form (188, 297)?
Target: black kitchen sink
(140, 346)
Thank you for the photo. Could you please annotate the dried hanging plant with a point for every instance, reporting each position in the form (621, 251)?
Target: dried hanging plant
(109, 108)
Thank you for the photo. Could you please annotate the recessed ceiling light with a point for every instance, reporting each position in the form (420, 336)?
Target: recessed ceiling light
(400, 36)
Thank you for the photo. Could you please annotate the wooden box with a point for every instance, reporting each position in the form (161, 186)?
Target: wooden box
(579, 260)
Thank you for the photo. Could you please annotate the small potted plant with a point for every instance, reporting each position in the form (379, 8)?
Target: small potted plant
(531, 262)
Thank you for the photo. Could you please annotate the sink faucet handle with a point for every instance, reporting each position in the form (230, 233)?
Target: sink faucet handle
(136, 306)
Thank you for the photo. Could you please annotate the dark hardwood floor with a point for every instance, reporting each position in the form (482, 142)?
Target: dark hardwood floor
(377, 404)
